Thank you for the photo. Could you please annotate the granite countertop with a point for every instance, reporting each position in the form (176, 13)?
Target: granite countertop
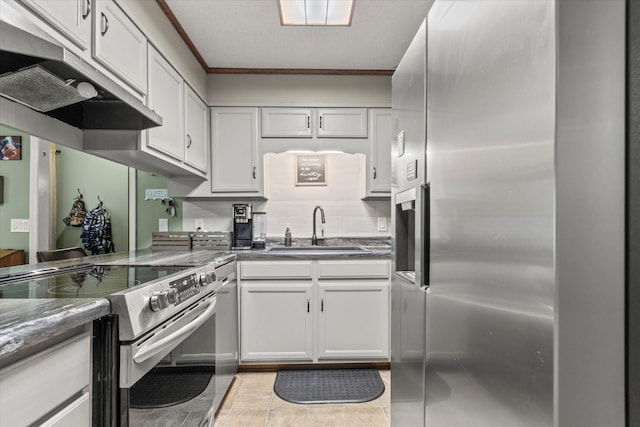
(329, 248)
(30, 325)
(27, 325)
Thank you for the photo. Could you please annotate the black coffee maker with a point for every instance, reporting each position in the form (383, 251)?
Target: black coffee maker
(242, 226)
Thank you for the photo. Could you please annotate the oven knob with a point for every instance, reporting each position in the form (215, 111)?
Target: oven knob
(205, 279)
(159, 301)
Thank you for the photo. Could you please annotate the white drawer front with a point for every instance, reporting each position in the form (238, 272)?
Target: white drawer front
(43, 381)
(353, 269)
(275, 269)
(77, 413)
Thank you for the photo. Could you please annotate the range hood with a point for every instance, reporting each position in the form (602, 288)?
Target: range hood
(35, 71)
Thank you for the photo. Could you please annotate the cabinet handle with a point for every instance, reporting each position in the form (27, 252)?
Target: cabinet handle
(308, 306)
(308, 122)
(322, 305)
(320, 122)
(87, 12)
(254, 172)
(188, 140)
(375, 173)
(105, 24)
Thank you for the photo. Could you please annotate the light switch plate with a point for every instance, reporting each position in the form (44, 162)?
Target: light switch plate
(19, 225)
(382, 224)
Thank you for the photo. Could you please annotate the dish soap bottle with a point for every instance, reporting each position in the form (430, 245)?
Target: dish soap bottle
(287, 237)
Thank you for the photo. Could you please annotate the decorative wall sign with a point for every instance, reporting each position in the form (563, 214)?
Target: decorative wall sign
(311, 169)
(10, 148)
(156, 193)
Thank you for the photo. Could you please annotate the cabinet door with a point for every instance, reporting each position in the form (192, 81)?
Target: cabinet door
(120, 45)
(353, 320)
(276, 320)
(166, 98)
(379, 160)
(235, 166)
(342, 122)
(196, 130)
(70, 17)
(286, 123)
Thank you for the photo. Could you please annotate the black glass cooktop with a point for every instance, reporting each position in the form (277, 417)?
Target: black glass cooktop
(92, 282)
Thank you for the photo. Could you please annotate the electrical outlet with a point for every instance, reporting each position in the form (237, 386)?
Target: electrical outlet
(382, 223)
(199, 224)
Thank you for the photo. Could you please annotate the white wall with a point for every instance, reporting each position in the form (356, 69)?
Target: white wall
(292, 206)
(298, 90)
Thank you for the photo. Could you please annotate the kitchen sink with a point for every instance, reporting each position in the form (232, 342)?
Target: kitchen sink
(316, 249)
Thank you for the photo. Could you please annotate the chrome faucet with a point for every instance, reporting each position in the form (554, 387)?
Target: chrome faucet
(314, 238)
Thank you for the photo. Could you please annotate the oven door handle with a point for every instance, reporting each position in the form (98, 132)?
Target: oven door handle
(176, 337)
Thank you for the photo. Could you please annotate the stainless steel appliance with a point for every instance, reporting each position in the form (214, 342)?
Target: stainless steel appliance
(174, 323)
(169, 333)
(242, 226)
(259, 224)
(407, 295)
(36, 71)
(522, 222)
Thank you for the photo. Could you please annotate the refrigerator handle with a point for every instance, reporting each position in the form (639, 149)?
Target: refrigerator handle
(426, 235)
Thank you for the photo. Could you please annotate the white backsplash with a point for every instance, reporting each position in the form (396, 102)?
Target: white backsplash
(292, 206)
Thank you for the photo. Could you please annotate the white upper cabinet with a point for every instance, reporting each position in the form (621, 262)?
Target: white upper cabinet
(314, 122)
(70, 17)
(286, 123)
(119, 45)
(166, 98)
(379, 159)
(235, 165)
(196, 130)
(341, 122)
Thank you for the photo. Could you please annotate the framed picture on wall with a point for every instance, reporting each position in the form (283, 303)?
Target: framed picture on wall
(311, 169)
(10, 148)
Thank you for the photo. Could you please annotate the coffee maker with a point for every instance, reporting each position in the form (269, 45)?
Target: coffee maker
(242, 226)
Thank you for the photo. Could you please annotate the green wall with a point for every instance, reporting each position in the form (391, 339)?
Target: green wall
(94, 177)
(150, 211)
(16, 194)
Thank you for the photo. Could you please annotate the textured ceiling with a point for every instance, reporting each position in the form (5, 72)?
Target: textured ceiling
(247, 34)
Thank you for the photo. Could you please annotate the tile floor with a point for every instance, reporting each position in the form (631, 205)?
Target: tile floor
(251, 402)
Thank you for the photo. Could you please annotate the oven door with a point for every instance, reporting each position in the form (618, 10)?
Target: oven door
(167, 376)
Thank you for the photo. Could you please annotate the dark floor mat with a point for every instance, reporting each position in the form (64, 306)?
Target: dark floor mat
(328, 385)
(169, 386)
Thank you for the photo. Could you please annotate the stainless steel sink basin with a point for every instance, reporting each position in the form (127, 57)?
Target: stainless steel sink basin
(316, 249)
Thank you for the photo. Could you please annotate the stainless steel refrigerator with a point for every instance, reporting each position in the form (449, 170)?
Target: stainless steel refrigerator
(514, 221)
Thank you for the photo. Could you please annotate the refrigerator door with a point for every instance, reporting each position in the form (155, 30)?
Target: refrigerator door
(490, 135)
(407, 297)
(407, 361)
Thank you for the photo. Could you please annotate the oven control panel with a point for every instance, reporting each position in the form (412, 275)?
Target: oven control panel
(180, 290)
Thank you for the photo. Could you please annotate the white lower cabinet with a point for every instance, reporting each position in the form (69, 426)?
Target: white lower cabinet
(353, 320)
(276, 320)
(55, 383)
(314, 310)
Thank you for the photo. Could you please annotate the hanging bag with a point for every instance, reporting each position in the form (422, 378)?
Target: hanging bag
(96, 233)
(77, 213)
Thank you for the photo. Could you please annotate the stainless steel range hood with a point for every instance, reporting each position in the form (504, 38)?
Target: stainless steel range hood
(37, 72)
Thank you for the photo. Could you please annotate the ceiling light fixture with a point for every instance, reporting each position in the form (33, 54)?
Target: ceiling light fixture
(316, 12)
